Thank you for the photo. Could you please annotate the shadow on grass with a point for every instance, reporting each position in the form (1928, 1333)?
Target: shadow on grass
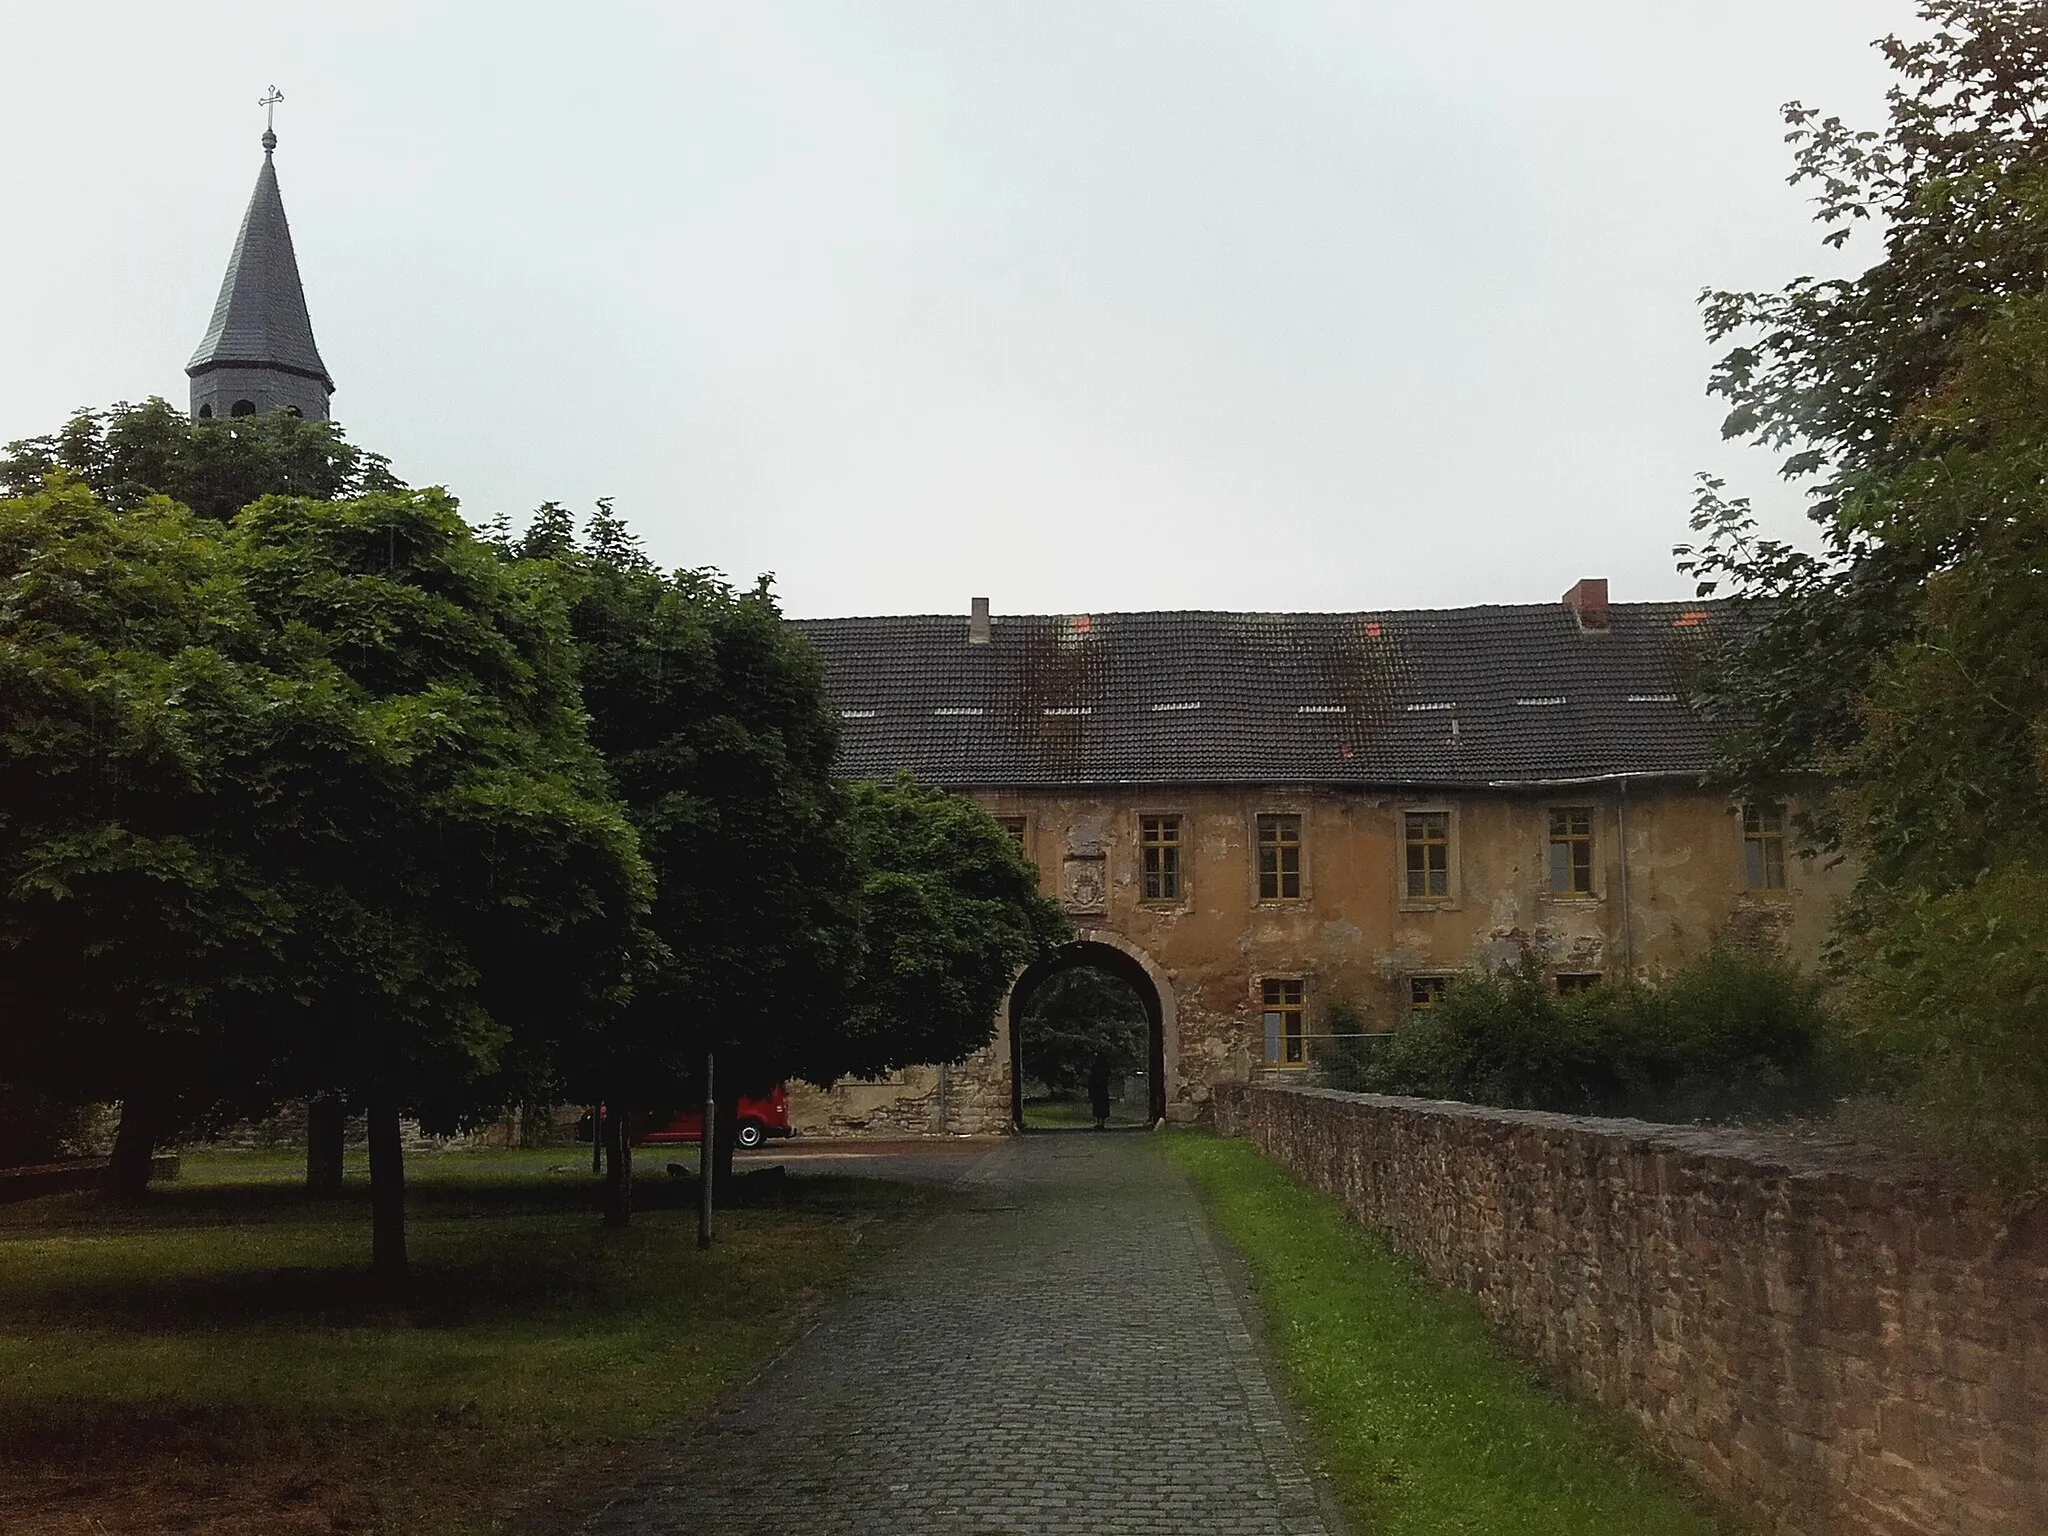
(484, 1251)
(220, 1357)
(78, 1433)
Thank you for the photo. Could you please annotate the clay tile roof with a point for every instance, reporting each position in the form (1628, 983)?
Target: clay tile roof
(260, 317)
(1460, 696)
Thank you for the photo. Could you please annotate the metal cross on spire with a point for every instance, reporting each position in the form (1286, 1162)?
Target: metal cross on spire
(269, 103)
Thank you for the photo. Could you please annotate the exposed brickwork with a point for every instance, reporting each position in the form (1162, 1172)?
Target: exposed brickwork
(969, 1098)
(1833, 1349)
(285, 1130)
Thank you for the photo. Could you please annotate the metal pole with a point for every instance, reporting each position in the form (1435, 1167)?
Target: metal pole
(596, 1140)
(707, 1157)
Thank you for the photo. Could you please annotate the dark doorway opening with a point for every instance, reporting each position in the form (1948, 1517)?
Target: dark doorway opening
(1050, 1035)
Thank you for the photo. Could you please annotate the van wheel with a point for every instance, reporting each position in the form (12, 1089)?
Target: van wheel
(750, 1135)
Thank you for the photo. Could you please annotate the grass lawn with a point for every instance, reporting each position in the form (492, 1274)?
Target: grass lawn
(217, 1361)
(1425, 1424)
(1069, 1114)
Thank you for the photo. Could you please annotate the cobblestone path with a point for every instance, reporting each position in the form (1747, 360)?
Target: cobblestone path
(1066, 1355)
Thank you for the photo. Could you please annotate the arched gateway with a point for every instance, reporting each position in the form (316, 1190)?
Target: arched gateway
(1102, 950)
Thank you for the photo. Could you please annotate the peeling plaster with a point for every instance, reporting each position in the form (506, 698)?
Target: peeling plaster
(1351, 934)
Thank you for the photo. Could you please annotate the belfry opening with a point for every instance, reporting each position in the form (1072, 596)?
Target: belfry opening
(1087, 1041)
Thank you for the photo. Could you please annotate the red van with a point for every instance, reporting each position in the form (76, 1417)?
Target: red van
(759, 1119)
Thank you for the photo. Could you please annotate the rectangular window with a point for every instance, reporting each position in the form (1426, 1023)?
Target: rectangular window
(1763, 847)
(1159, 847)
(1571, 983)
(1571, 852)
(1279, 858)
(1286, 1038)
(1014, 825)
(1428, 838)
(1425, 992)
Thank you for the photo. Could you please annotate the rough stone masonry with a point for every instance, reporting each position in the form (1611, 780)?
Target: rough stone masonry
(1830, 1348)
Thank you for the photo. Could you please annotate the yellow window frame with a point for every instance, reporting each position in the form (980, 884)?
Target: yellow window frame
(1426, 841)
(1285, 1015)
(1763, 847)
(1279, 839)
(1570, 866)
(1159, 858)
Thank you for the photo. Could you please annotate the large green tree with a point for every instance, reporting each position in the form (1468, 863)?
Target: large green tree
(710, 716)
(806, 928)
(1835, 374)
(478, 890)
(128, 453)
(142, 935)
(950, 912)
(1945, 792)
(301, 804)
(1905, 661)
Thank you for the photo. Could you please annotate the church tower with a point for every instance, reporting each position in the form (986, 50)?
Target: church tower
(258, 353)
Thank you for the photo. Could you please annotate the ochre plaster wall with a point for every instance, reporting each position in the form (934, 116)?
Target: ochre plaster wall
(1354, 935)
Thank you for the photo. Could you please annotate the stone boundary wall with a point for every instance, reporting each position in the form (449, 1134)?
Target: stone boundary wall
(968, 1098)
(1820, 1344)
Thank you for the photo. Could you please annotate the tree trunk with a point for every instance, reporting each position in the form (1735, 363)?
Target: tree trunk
(618, 1183)
(387, 1191)
(134, 1146)
(326, 1125)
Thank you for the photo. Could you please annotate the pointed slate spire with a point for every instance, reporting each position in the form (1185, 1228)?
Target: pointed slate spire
(259, 352)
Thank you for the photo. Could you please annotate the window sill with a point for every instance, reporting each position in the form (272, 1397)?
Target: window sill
(1572, 898)
(1766, 893)
(1430, 904)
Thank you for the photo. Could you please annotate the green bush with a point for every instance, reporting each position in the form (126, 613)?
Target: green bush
(1343, 1054)
(1948, 996)
(1740, 1034)
(1733, 1035)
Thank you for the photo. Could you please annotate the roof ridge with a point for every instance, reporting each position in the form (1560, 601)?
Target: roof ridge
(1653, 605)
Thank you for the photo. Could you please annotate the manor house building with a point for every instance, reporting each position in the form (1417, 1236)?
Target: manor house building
(1255, 817)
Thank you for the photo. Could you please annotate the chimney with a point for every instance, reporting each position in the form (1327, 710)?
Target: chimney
(1589, 601)
(977, 622)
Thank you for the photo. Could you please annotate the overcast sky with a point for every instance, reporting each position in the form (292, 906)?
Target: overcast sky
(1080, 306)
